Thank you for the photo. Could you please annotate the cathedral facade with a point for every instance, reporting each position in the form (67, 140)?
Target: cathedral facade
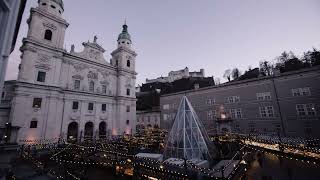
(74, 95)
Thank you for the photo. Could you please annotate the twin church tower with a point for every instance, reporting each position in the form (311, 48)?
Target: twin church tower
(74, 95)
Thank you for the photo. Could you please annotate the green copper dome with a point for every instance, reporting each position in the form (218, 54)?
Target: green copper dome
(60, 2)
(124, 34)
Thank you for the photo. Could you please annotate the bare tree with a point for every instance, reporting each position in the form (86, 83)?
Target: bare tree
(227, 74)
(235, 73)
(266, 68)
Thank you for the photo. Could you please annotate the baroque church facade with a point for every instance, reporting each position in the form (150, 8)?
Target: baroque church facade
(77, 95)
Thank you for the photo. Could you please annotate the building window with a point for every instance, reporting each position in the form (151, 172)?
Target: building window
(48, 35)
(263, 96)
(251, 128)
(127, 122)
(128, 92)
(104, 107)
(37, 102)
(233, 99)
(166, 107)
(41, 76)
(301, 91)
(104, 89)
(77, 84)
(128, 63)
(3, 95)
(235, 113)
(210, 101)
(53, 7)
(173, 106)
(266, 111)
(75, 105)
(128, 108)
(211, 114)
(165, 117)
(44, 4)
(33, 124)
(90, 106)
(306, 109)
(91, 86)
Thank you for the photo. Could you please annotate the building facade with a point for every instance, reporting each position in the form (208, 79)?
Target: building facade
(148, 119)
(288, 103)
(71, 94)
(11, 12)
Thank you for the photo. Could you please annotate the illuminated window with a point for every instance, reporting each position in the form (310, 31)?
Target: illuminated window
(264, 96)
(166, 106)
(210, 101)
(233, 99)
(301, 91)
(235, 113)
(266, 111)
(211, 114)
(306, 109)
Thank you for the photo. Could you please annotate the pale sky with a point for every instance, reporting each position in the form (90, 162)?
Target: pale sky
(171, 34)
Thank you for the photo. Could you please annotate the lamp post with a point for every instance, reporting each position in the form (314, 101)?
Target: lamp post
(7, 134)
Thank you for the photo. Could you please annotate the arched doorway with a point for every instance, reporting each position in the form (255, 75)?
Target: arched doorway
(102, 130)
(72, 131)
(88, 130)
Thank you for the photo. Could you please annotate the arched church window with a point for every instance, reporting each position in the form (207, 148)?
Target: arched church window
(128, 63)
(91, 86)
(48, 35)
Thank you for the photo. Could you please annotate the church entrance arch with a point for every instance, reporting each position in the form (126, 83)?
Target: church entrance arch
(72, 131)
(88, 130)
(102, 130)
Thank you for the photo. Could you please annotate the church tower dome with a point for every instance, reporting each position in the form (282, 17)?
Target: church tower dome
(124, 34)
(59, 2)
(54, 7)
(124, 38)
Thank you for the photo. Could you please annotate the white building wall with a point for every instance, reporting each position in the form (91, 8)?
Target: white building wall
(58, 91)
